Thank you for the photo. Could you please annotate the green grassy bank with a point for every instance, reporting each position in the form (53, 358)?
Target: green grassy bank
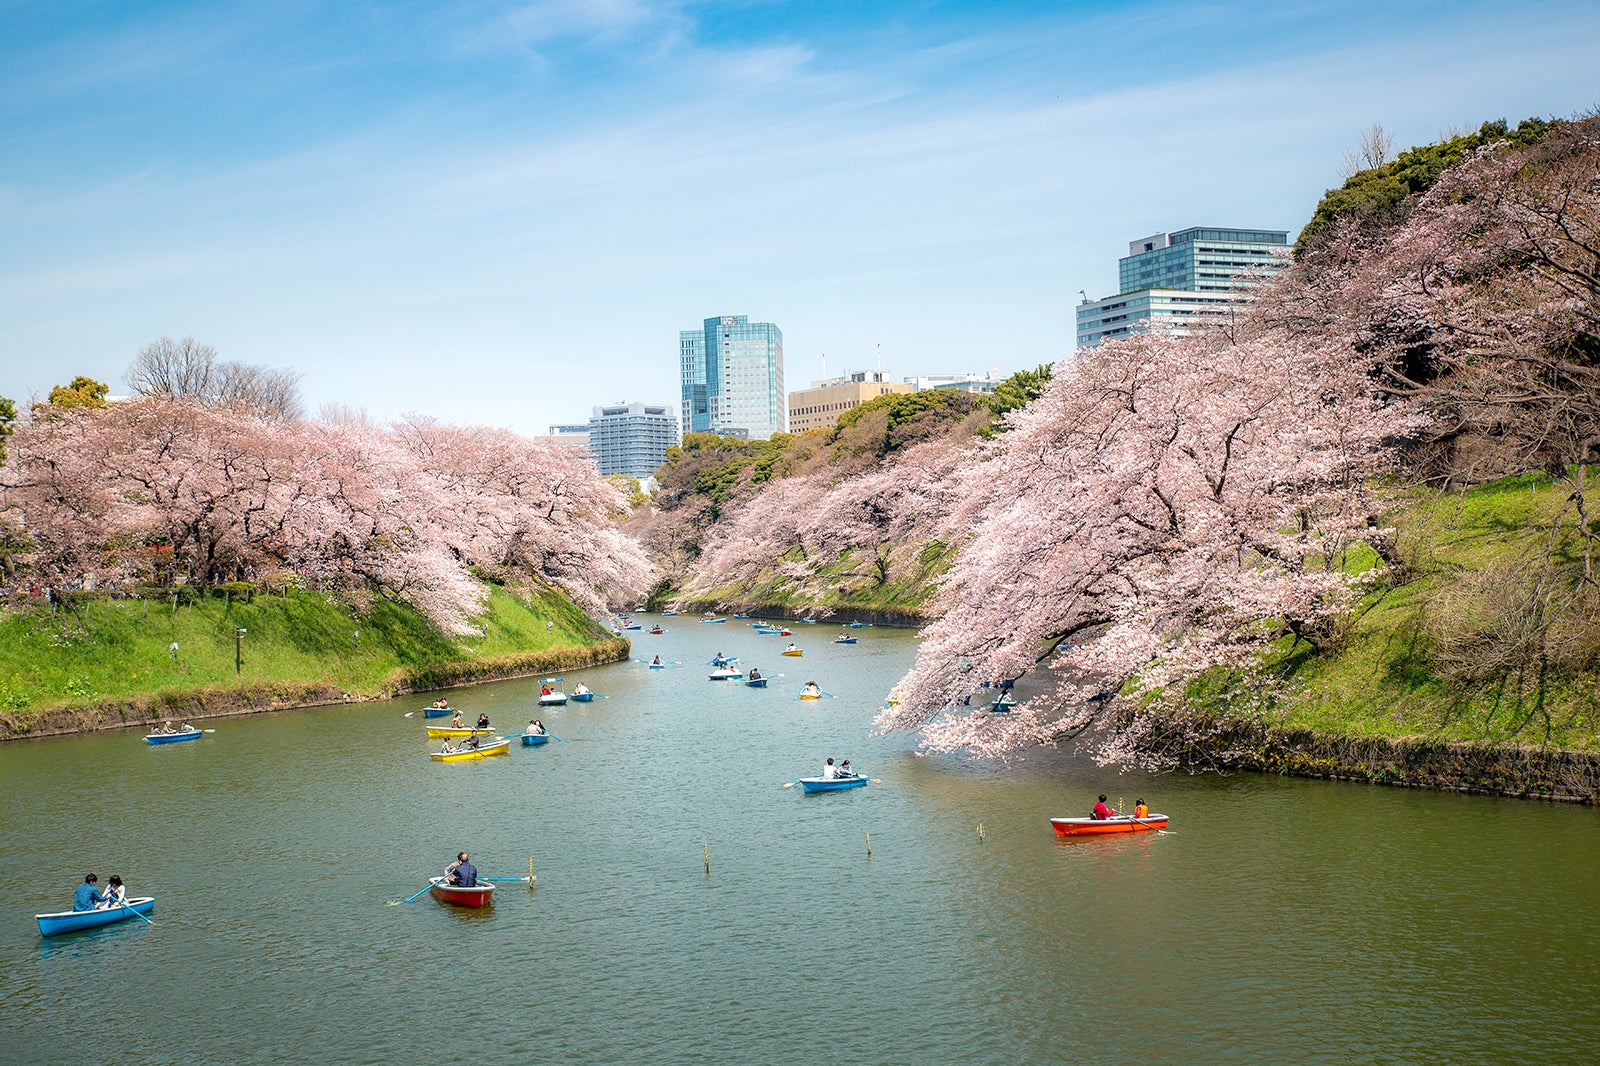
(851, 587)
(1483, 574)
(100, 662)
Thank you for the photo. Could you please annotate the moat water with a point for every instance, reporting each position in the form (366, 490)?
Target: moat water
(1279, 921)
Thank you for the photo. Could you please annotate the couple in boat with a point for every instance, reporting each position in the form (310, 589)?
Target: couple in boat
(90, 898)
(831, 772)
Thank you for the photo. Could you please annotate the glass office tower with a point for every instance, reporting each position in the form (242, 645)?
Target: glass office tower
(733, 378)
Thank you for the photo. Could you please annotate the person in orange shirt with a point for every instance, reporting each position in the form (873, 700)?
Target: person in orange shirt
(1140, 810)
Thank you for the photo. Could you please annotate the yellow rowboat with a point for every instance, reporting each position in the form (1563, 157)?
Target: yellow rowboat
(498, 747)
(811, 695)
(794, 651)
(439, 732)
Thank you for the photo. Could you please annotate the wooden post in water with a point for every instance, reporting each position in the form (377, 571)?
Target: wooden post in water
(530, 871)
(869, 845)
(980, 832)
(707, 849)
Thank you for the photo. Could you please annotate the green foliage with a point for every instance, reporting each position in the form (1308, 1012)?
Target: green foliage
(8, 422)
(1015, 392)
(889, 423)
(713, 468)
(1383, 194)
(80, 392)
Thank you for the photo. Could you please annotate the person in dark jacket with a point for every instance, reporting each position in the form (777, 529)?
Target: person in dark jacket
(462, 872)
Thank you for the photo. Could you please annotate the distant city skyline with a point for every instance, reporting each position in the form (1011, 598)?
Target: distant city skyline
(505, 212)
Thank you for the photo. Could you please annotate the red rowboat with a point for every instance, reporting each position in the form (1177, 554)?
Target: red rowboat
(476, 896)
(1080, 827)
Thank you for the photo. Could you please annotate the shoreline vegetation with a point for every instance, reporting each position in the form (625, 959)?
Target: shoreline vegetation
(83, 663)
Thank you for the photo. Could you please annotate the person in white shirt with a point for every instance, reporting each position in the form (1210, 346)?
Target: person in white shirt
(116, 894)
(829, 771)
(581, 689)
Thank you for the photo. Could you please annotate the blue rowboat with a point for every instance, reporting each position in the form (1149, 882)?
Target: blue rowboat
(668, 614)
(854, 625)
(809, 621)
(656, 666)
(71, 921)
(844, 640)
(828, 784)
(633, 625)
(582, 697)
(533, 740)
(173, 738)
(437, 712)
(712, 621)
(741, 616)
(757, 682)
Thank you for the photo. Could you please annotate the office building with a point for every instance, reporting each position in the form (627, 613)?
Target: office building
(983, 384)
(821, 405)
(732, 372)
(632, 438)
(574, 433)
(1176, 282)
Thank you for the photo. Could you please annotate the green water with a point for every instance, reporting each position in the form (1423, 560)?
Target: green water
(1280, 920)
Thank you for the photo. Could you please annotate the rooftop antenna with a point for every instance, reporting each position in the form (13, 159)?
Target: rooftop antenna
(1084, 295)
(880, 360)
(824, 366)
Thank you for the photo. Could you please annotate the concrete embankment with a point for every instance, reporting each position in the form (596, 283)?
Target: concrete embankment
(196, 704)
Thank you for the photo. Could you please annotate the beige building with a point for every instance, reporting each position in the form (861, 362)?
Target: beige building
(821, 405)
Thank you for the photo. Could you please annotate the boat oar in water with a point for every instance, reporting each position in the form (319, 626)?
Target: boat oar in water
(136, 914)
(408, 899)
(1157, 828)
(524, 880)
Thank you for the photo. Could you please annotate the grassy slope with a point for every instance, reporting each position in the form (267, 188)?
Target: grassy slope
(851, 586)
(116, 650)
(1380, 682)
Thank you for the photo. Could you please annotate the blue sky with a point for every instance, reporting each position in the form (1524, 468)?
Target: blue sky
(505, 213)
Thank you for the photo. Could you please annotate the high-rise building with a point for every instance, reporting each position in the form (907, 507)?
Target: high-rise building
(1177, 281)
(632, 438)
(733, 378)
(821, 405)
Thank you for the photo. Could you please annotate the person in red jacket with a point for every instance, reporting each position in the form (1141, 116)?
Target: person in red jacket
(1101, 812)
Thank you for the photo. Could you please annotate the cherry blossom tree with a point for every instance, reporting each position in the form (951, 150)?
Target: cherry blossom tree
(1173, 504)
(406, 512)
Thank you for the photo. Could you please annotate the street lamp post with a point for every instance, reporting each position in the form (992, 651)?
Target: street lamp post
(238, 650)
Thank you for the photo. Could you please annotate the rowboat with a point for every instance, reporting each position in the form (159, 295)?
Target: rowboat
(656, 666)
(439, 732)
(633, 625)
(828, 784)
(1079, 827)
(768, 631)
(811, 695)
(476, 896)
(172, 738)
(712, 621)
(533, 740)
(1002, 705)
(437, 712)
(668, 614)
(786, 632)
(725, 673)
(583, 697)
(854, 625)
(809, 621)
(656, 631)
(497, 747)
(72, 921)
(741, 616)
(553, 699)
(844, 640)
(757, 682)
(796, 652)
